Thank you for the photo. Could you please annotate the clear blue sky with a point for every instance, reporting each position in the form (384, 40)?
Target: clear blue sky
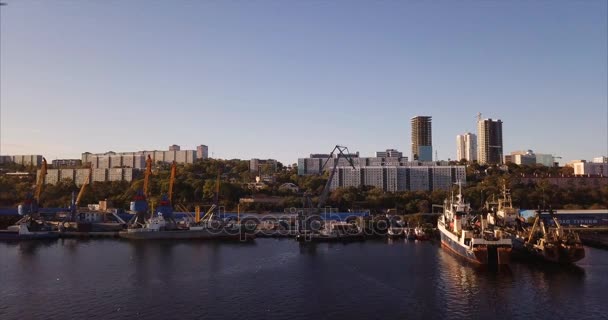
(282, 79)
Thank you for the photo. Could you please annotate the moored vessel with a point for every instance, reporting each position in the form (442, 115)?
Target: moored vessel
(551, 243)
(420, 233)
(471, 239)
(28, 229)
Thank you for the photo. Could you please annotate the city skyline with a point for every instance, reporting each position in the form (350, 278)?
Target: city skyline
(252, 84)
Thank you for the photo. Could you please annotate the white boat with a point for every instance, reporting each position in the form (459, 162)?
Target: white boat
(467, 239)
(28, 229)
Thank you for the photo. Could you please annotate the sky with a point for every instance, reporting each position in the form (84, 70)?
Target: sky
(283, 79)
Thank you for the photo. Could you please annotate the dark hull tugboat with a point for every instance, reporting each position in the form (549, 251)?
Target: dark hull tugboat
(549, 243)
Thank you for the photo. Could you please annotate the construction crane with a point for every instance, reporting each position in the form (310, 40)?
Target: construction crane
(40, 182)
(82, 189)
(171, 182)
(147, 175)
(342, 152)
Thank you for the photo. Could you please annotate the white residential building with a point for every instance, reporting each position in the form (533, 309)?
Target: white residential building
(400, 178)
(590, 169)
(466, 147)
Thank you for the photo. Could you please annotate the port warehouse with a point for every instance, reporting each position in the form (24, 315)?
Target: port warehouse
(576, 217)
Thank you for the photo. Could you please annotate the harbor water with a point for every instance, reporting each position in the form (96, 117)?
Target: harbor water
(281, 278)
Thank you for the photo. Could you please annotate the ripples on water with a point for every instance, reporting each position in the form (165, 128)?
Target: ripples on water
(280, 278)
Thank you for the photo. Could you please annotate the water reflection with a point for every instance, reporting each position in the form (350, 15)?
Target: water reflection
(30, 248)
(372, 279)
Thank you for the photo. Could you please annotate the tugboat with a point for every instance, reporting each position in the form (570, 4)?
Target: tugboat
(468, 239)
(549, 243)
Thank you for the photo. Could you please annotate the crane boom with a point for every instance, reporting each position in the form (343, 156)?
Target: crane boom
(147, 175)
(341, 153)
(40, 181)
(82, 188)
(171, 182)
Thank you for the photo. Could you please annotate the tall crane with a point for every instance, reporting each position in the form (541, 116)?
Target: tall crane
(76, 201)
(82, 189)
(147, 174)
(40, 182)
(32, 201)
(172, 181)
(342, 152)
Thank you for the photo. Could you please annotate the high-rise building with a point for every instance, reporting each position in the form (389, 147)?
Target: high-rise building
(489, 141)
(466, 146)
(202, 152)
(174, 147)
(422, 139)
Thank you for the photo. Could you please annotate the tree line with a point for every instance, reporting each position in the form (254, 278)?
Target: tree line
(195, 184)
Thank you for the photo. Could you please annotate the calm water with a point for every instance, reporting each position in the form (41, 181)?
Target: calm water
(279, 278)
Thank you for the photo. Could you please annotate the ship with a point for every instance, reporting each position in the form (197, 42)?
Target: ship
(162, 226)
(502, 213)
(468, 236)
(32, 226)
(549, 243)
(79, 222)
(28, 228)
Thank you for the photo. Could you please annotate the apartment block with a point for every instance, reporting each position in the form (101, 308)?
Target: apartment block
(399, 178)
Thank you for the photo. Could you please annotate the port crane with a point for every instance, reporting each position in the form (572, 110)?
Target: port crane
(147, 174)
(29, 208)
(76, 202)
(31, 202)
(172, 181)
(40, 182)
(342, 151)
